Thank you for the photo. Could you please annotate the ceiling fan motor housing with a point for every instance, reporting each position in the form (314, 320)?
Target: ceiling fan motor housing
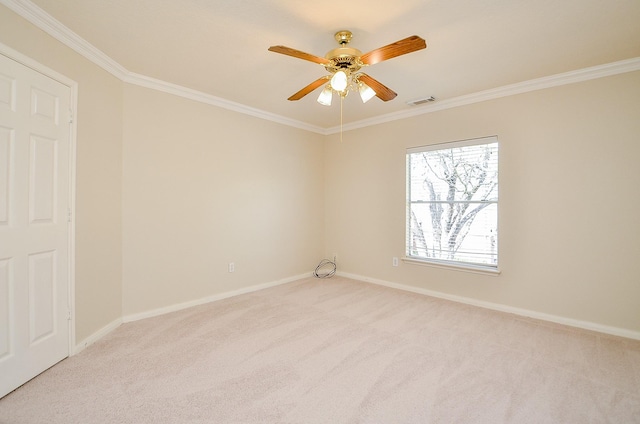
(343, 58)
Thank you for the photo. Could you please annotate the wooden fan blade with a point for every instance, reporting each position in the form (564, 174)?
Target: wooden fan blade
(309, 88)
(383, 92)
(408, 45)
(300, 55)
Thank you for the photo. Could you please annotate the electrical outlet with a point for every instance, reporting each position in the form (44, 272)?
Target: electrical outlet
(232, 267)
(395, 261)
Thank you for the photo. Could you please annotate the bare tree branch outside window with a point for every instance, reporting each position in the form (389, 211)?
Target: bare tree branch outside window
(453, 195)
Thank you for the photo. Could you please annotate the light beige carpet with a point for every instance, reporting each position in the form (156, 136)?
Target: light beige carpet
(338, 351)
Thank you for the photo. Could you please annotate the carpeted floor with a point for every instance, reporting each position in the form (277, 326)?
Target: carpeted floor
(338, 351)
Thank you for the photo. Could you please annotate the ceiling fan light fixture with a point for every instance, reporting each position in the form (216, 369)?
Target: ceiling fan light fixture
(366, 92)
(339, 81)
(325, 96)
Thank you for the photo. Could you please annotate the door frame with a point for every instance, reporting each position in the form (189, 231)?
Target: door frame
(73, 104)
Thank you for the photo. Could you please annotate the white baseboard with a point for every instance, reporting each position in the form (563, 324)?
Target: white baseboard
(586, 325)
(460, 299)
(208, 299)
(96, 336)
(172, 308)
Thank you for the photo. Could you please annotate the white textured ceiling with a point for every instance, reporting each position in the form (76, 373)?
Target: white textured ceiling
(219, 47)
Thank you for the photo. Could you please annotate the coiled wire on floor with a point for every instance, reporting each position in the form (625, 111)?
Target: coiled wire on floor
(325, 269)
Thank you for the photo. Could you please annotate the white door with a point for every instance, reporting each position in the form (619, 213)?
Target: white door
(34, 228)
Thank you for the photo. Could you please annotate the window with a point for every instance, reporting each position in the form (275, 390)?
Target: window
(452, 203)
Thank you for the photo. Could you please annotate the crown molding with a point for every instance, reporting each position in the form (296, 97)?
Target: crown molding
(41, 19)
(594, 72)
(57, 30)
(199, 96)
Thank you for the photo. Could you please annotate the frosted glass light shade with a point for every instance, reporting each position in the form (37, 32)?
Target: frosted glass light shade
(325, 96)
(366, 92)
(339, 81)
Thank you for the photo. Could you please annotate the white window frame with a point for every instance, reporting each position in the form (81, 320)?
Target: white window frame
(446, 263)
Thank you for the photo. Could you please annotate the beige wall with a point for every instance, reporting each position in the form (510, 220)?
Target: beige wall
(98, 268)
(169, 191)
(204, 186)
(569, 237)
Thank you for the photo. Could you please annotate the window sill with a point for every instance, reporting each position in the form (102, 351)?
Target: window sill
(476, 269)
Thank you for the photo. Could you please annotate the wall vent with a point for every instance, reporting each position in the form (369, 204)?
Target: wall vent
(421, 101)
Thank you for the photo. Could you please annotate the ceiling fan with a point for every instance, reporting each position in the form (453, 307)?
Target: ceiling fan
(344, 63)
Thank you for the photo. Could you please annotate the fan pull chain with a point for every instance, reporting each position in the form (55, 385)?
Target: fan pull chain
(341, 99)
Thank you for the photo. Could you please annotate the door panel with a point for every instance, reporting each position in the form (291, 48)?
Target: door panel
(34, 232)
(42, 291)
(5, 308)
(43, 180)
(6, 137)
